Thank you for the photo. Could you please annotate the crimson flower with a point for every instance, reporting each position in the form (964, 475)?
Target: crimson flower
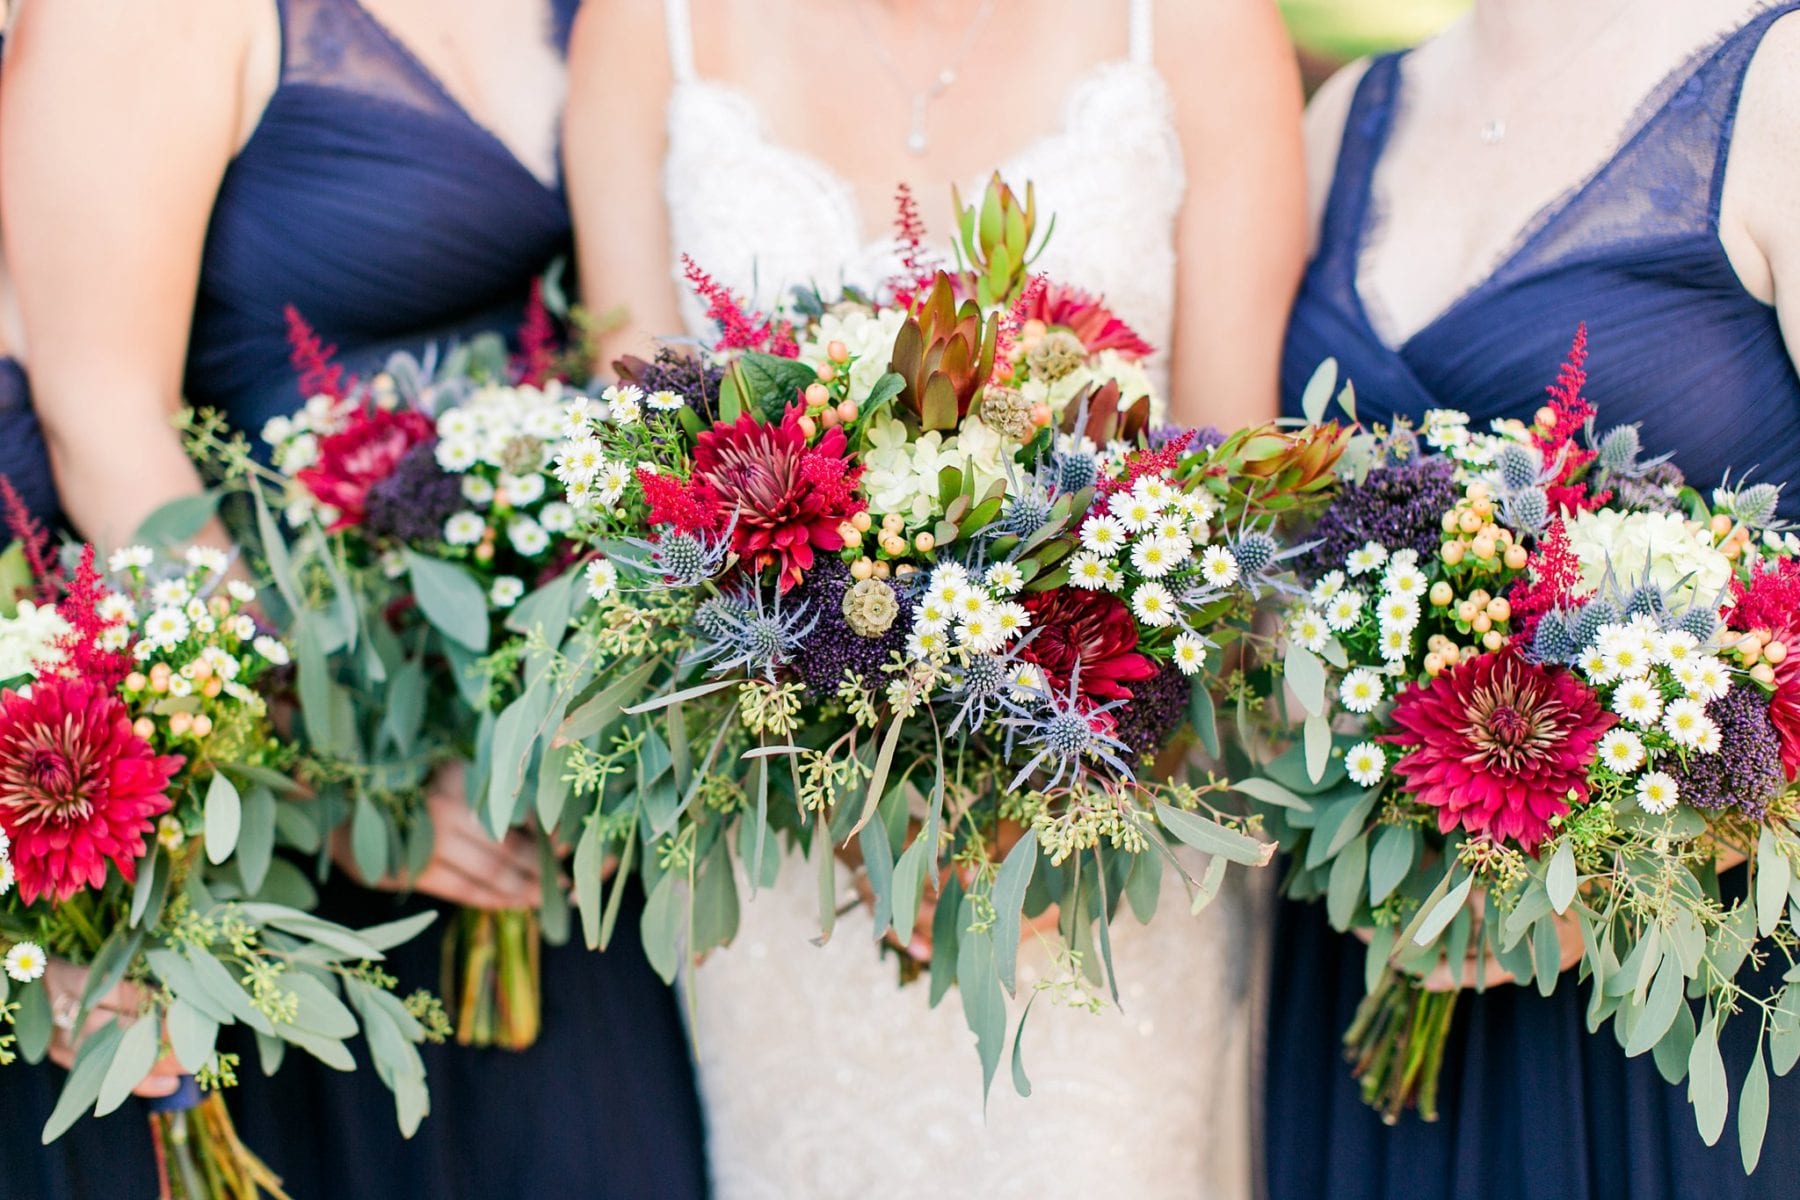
(1085, 316)
(359, 456)
(1771, 601)
(1498, 745)
(1090, 630)
(78, 789)
(789, 498)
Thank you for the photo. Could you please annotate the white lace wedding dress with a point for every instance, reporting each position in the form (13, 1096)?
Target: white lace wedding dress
(820, 1076)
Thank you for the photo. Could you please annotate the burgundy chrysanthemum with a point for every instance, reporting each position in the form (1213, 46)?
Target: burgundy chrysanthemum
(789, 498)
(1092, 630)
(1498, 745)
(361, 455)
(78, 789)
(1771, 601)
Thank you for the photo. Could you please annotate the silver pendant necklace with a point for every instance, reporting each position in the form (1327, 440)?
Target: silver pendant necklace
(919, 101)
(1493, 130)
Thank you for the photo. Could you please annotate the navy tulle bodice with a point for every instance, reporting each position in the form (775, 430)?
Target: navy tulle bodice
(1676, 342)
(370, 200)
(1533, 1106)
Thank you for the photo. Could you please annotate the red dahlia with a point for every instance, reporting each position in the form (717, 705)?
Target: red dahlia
(1771, 601)
(78, 789)
(1498, 745)
(359, 456)
(789, 498)
(1092, 630)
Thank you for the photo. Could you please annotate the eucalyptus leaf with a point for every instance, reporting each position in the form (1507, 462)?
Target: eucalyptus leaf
(1753, 1111)
(1306, 676)
(660, 928)
(192, 1034)
(1773, 875)
(1009, 902)
(93, 1062)
(1440, 914)
(1208, 886)
(1348, 871)
(1021, 1082)
(224, 817)
(178, 521)
(1707, 1089)
(984, 1005)
(450, 599)
(1317, 394)
(256, 836)
(1208, 835)
(137, 1053)
(907, 887)
(1559, 880)
(1269, 792)
(1395, 848)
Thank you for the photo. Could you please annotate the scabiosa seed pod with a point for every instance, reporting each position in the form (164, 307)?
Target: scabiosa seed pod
(835, 647)
(1057, 353)
(1619, 450)
(1553, 642)
(1006, 411)
(870, 608)
(1519, 466)
(1703, 623)
(1528, 509)
(1594, 614)
(1073, 472)
(1254, 552)
(1646, 600)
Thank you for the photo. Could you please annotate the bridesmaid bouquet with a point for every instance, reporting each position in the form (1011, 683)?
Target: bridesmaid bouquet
(1547, 690)
(142, 793)
(432, 554)
(915, 584)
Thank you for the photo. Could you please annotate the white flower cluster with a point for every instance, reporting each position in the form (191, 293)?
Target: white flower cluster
(28, 640)
(1393, 607)
(1147, 538)
(901, 470)
(869, 337)
(1447, 430)
(199, 631)
(962, 611)
(1678, 553)
(25, 961)
(591, 478)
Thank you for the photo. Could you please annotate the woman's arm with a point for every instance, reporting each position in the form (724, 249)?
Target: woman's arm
(613, 144)
(1759, 219)
(116, 124)
(1241, 237)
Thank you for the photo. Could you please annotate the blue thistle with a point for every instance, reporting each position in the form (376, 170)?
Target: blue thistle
(1593, 615)
(1700, 621)
(1519, 466)
(1527, 509)
(1062, 731)
(746, 631)
(1553, 643)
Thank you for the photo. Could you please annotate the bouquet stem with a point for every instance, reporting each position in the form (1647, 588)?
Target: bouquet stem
(1396, 1044)
(491, 970)
(198, 1153)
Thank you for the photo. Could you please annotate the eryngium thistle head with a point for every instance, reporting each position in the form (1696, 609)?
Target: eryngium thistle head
(1074, 471)
(1006, 411)
(1025, 513)
(870, 608)
(1619, 450)
(1401, 446)
(1754, 506)
(1056, 354)
(1646, 600)
(1700, 621)
(1254, 552)
(681, 558)
(716, 617)
(1527, 509)
(1593, 615)
(1519, 466)
(1553, 643)
(983, 676)
(750, 631)
(1650, 489)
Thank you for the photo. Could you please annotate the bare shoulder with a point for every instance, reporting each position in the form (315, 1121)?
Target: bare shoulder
(1762, 188)
(628, 34)
(1208, 47)
(1325, 119)
(168, 39)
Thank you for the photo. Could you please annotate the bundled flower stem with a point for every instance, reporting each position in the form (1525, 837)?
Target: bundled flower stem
(198, 1153)
(1395, 1045)
(492, 965)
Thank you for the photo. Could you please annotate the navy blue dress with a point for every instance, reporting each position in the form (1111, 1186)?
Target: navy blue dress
(1532, 1106)
(372, 202)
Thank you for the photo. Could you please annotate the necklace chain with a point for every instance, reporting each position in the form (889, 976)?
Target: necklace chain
(919, 100)
(1493, 130)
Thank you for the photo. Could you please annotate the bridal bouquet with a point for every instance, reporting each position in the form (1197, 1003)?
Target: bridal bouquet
(432, 546)
(1547, 689)
(140, 802)
(913, 583)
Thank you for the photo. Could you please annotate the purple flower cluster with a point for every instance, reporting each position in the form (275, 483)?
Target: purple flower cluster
(1205, 437)
(679, 371)
(1400, 506)
(413, 503)
(1158, 704)
(1746, 772)
(834, 647)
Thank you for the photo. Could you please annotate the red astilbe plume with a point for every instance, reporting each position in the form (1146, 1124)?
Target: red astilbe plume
(918, 266)
(81, 654)
(78, 788)
(1552, 581)
(1771, 601)
(1012, 324)
(1140, 463)
(1498, 745)
(1086, 316)
(311, 357)
(1557, 442)
(47, 578)
(739, 328)
(535, 363)
(690, 506)
(788, 498)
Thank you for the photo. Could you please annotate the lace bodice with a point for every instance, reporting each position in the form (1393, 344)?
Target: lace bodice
(820, 1076)
(765, 218)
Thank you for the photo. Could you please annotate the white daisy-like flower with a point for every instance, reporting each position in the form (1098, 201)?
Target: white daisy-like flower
(1329, 585)
(25, 962)
(456, 423)
(180, 685)
(949, 573)
(1155, 489)
(300, 453)
(208, 558)
(272, 649)
(277, 430)
(1308, 630)
(1367, 557)
(1170, 525)
(1406, 556)
(1404, 578)
(1366, 763)
(579, 459)
(464, 528)
(240, 591)
(577, 417)
(196, 610)
(1361, 690)
(243, 627)
(116, 606)
(1155, 557)
(1593, 665)
(1639, 702)
(1711, 740)
(1657, 792)
(521, 490)
(1115, 578)
(614, 478)
(1087, 571)
(933, 612)
(1027, 682)
(1154, 605)
(1344, 610)
(478, 490)
(602, 578)
(1704, 677)
(1398, 610)
(527, 536)
(7, 876)
(115, 638)
(1012, 619)
(166, 626)
(1189, 653)
(663, 400)
(971, 601)
(457, 455)
(1219, 567)
(1685, 721)
(1199, 506)
(1103, 535)
(1677, 646)
(1623, 651)
(169, 834)
(171, 593)
(1135, 513)
(556, 517)
(1622, 751)
(981, 633)
(1395, 644)
(926, 643)
(1004, 578)
(581, 495)
(506, 591)
(623, 403)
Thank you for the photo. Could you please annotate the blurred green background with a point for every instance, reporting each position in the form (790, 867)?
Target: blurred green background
(1330, 33)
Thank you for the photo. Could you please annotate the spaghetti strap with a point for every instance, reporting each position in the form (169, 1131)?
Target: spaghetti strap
(1143, 31)
(681, 39)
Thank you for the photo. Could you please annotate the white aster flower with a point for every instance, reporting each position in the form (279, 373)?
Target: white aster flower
(521, 490)
(1406, 579)
(7, 876)
(171, 593)
(196, 610)
(1218, 567)
(1189, 653)
(1711, 740)
(1361, 690)
(1676, 646)
(25, 962)
(926, 643)
(1012, 619)
(1593, 665)
(1155, 557)
(971, 601)
(581, 459)
(1155, 489)
(1405, 557)
(1329, 585)
(1103, 535)
(981, 633)
(1395, 644)
(272, 649)
(577, 418)
(1368, 557)
(1136, 513)
(1657, 793)
(556, 517)
(1005, 578)
(478, 490)
(1154, 605)
(1639, 702)
(1366, 763)
(527, 537)
(1622, 650)
(1115, 578)
(614, 478)
(464, 529)
(242, 627)
(113, 607)
(115, 638)
(664, 400)
(208, 558)
(1622, 751)
(933, 612)
(1685, 721)
(456, 423)
(166, 626)
(506, 591)
(1398, 610)
(1344, 610)
(240, 591)
(623, 403)
(602, 578)
(1308, 630)
(1197, 506)
(180, 685)
(1704, 677)
(457, 455)
(1087, 571)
